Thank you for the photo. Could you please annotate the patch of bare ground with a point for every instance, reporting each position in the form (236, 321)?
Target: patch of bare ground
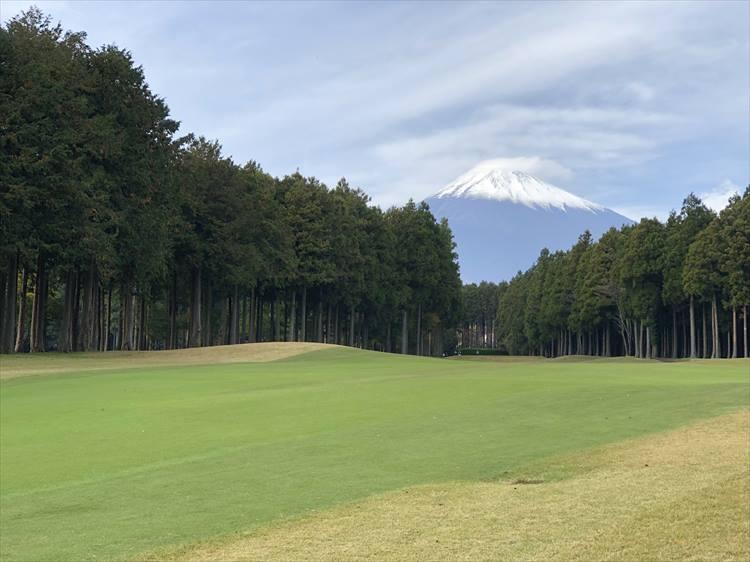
(19, 365)
(679, 495)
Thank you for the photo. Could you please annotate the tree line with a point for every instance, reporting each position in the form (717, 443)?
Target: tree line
(649, 290)
(119, 234)
(479, 310)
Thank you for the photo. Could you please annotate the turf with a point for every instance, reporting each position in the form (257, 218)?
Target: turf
(115, 463)
(24, 364)
(678, 495)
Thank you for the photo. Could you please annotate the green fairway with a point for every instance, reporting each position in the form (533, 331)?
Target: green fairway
(118, 462)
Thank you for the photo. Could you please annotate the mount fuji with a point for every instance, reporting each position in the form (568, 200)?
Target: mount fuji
(501, 220)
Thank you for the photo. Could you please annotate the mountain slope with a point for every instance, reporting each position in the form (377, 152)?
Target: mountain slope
(502, 219)
(487, 181)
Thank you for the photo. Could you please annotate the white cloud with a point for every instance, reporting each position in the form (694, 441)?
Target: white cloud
(642, 92)
(718, 197)
(715, 199)
(403, 97)
(560, 139)
(637, 212)
(541, 167)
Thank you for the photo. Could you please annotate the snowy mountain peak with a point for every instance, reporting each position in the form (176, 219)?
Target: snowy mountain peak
(489, 180)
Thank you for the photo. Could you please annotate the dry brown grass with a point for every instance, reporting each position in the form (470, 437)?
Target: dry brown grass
(19, 365)
(680, 495)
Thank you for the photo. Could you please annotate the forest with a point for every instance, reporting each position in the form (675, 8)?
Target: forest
(650, 290)
(119, 234)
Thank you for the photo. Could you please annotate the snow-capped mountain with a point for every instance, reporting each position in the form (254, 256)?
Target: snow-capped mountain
(501, 219)
(486, 181)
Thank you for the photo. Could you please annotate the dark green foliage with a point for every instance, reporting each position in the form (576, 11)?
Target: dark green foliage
(140, 239)
(479, 308)
(653, 283)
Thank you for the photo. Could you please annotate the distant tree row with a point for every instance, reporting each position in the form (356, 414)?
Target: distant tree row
(651, 290)
(117, 234)
(479, 308)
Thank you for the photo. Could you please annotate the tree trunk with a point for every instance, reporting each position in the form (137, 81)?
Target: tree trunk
(208, 313)
(715, 351)
(126, 324)
(261, 313)
(303, 316)
(143, 340)
(243, 319)
(3, 303)
(404, 333)
(329, 324)
(8, 320)
(388, 346)
(729, 342)
(692, 328)
(292, 335)
(137, 325)
(734, 332)
(172, 312)
(674, 328)
(108, 323)
(89, 313)
(223, 333)
(274, 318)
(39, 308)
(365, 332)
(744, 329)
(284, 332)
(630, 338)
(127, 319)
(65, 338)
(704, 325)
(608, 352)
(419, 329)
(336, 327)
(234, 328)
(253, 318)
(352, 320)
(195, 339)
(644, 340)
(100, 311)
(320, 317)
(596, 337)
(20, 342)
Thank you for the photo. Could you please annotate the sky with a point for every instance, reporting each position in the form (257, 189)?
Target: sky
(631, 105)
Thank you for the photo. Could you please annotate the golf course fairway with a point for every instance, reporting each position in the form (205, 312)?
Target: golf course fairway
(191, 457)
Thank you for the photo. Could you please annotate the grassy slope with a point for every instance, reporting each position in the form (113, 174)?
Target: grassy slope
(112, 464)
(24, 364)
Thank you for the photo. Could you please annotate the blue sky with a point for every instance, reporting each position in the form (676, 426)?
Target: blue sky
(631, 105)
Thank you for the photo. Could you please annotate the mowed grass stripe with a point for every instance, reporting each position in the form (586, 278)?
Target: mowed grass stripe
(678, 495)
(112, 464)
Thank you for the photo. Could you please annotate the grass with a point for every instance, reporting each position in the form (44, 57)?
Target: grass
(132, 459)
(679, 495)
(22, 365)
